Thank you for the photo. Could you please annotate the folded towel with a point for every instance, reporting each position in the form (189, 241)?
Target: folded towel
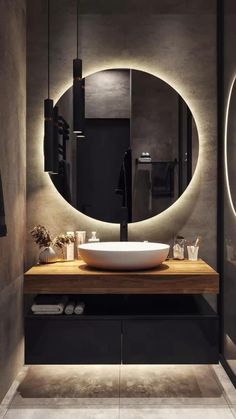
(47, 309)
(69, 308)
(52, 312)
(79, 308)
(144, 159)
(53, 304)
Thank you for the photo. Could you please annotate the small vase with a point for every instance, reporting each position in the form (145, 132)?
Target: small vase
(47, 255)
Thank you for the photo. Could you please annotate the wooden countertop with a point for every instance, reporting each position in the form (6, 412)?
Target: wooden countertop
(172, 277)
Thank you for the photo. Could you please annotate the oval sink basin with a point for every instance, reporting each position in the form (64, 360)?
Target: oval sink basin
(124, 255)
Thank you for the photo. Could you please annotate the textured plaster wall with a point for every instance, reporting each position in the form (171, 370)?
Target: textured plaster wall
(13, 169)
(174, 40)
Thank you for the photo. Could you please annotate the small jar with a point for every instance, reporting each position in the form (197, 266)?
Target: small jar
(178, 248)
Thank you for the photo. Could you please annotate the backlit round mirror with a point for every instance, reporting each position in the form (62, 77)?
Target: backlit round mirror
(230, 145)
(140, 148)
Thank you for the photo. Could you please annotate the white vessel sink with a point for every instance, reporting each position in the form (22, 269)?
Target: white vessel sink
(124, 255)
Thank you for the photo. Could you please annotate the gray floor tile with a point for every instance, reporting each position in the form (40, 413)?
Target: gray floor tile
(3, 411)
(158, 381)
(229, 390)
(70, 381)
(62, 414)
(172, 402)
(233, 410)
(54, 403)
(170, 385)
(177, 413)
(92, 392)
(207, 381)
(9, 397)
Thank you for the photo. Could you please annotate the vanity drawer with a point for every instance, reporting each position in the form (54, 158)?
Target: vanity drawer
(164, 340)
(64, 340)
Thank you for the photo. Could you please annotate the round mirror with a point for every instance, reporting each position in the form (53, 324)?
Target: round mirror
(140, 147)
(230, 147)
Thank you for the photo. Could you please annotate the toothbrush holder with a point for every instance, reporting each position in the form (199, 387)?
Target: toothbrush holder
(192, 252)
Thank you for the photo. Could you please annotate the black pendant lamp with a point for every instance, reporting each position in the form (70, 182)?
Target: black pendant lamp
(55, 139)
(50, 162)
(78, 90)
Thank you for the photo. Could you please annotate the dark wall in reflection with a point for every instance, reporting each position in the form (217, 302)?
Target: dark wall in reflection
(99, 162)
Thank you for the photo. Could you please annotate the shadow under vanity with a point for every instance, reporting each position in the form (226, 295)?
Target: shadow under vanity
(144, 317)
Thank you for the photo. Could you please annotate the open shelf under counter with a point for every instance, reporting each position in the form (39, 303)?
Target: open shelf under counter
(75, 277)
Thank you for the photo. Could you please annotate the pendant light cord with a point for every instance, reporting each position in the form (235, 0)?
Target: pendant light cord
(77, 29)
(48, 49)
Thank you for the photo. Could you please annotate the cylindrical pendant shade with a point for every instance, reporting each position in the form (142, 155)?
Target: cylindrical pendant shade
(55, 140)
(78, 97)
(77, 68)
(48, 136)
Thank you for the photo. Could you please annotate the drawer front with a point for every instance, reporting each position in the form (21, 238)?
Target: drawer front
(59, 341)
(171, 341)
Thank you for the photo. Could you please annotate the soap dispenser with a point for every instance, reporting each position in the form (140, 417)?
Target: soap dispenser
(94, 237)
(70, 247)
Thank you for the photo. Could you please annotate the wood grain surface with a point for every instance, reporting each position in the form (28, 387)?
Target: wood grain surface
(75, 277)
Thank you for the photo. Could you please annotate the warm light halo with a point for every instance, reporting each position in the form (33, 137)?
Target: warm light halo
(226, 146)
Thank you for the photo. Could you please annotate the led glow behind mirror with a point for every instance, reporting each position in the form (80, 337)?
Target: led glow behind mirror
(230, 146)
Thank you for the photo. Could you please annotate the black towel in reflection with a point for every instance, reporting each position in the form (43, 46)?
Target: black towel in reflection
(3, 228)
(124, 187)
(163, 179)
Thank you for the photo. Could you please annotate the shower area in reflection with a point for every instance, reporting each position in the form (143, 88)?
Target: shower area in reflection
(128, 114)
(227, 189)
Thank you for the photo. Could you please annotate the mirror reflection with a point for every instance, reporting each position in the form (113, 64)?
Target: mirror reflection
(140, 147)
(231, 148)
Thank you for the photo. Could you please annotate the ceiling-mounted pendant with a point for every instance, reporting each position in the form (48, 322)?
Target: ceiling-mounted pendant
(50, 146)
(48, 135)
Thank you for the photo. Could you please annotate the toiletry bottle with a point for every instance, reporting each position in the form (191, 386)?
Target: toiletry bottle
(70, 248)
(94, 238)
(80, 239)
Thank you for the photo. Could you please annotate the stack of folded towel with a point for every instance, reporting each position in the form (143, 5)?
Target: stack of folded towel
(57, 304)
(49, 304)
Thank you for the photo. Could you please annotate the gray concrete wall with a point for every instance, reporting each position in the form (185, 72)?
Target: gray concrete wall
(174, 40)
(13, 170)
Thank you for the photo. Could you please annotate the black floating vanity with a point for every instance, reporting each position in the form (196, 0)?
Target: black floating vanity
(152, 317)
